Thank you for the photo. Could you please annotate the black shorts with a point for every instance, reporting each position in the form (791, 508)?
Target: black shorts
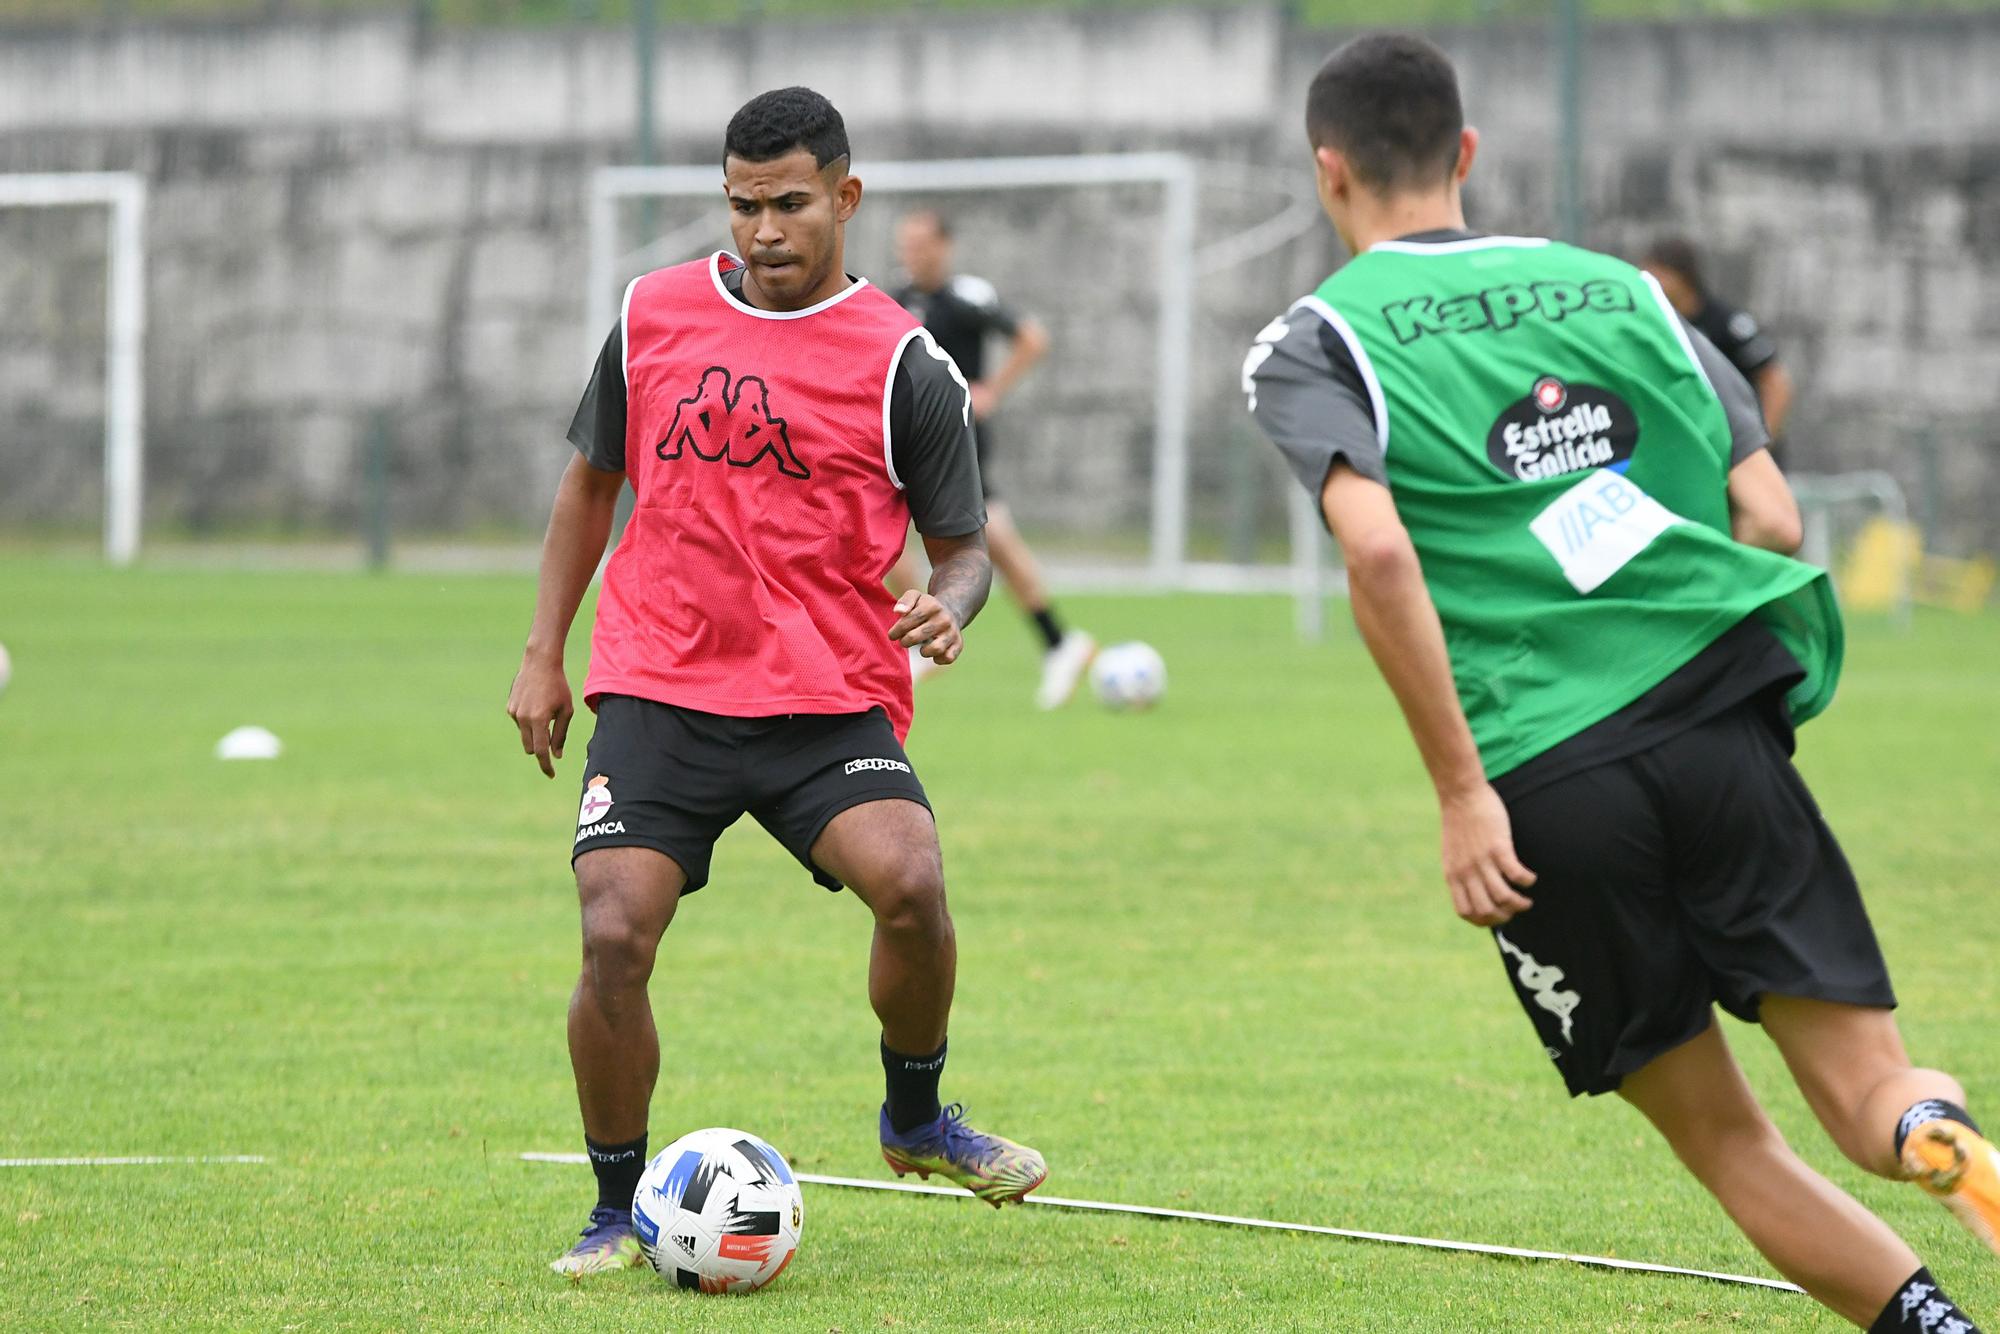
(1696, 872)
(673, 779)
(982, 439)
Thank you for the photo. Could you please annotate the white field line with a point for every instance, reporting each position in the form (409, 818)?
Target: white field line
(142, 1161)
(1231, 1220)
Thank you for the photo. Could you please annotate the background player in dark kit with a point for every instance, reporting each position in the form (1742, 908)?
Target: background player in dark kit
(962, 312)
(1676, 262)
(1674, 857)
(724, 594)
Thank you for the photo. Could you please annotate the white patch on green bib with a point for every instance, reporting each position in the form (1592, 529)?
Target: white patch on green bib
(1595, 528)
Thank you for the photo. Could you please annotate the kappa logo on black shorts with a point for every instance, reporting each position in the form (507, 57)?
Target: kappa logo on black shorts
(1562, 428)
(866, 766)
(1544, 983)
(719, 421)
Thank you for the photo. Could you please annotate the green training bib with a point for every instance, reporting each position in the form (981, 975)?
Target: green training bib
(1561, 463)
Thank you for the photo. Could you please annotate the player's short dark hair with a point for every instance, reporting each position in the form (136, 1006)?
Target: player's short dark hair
(1389, 103)
(1679, 254)
(938, 221)
(783, 120)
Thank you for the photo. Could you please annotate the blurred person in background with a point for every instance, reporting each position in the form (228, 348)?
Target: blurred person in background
(1676, 265)
(961, 312)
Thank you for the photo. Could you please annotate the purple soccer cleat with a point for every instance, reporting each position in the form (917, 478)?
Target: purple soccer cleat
(997, 1170)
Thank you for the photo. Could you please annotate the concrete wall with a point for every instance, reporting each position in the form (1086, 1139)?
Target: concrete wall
(358, 216)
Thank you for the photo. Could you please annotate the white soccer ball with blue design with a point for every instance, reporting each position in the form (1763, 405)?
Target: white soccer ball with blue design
(718, 1211)
(1129, 676)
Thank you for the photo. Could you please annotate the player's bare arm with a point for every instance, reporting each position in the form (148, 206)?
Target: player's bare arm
(1393, 610)
(579, 526)
(1774, 394)
(1028, 346)
(934, 622)
(1762, 510)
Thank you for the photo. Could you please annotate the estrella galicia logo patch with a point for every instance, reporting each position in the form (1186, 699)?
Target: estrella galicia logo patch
(1562, 428)
(596, 800)
(733, 422)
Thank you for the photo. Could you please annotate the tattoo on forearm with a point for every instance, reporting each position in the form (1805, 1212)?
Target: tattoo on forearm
(961, 582)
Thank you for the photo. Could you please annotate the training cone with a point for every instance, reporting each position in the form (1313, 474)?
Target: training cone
(249, 743)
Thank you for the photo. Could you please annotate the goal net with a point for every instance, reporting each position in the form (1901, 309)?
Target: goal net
(71, 349)
(1127, 456)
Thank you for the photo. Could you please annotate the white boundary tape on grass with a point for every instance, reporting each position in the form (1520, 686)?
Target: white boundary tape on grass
(1268, 1224)
(143, 1161)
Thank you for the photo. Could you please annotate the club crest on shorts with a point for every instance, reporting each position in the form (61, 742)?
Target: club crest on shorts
(596, 800)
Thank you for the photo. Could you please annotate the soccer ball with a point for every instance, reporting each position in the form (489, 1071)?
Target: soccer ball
(1129, 676)
(718, 1211)
(6, 667)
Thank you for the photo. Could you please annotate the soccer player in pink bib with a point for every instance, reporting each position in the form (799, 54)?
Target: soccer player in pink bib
(781, 424)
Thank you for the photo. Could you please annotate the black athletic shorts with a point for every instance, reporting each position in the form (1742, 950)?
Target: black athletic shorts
(982, 440)
(673, 779)
(1696, 872)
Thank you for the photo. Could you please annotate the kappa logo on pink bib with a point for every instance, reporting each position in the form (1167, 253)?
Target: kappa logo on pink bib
(596, 801)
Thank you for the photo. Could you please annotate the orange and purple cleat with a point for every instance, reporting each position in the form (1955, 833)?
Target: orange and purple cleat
(1956, 1166)
(609, 1241)
(997, 1170)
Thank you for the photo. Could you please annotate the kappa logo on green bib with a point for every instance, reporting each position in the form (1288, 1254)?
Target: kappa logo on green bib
(1561, 428)
(1498, 309)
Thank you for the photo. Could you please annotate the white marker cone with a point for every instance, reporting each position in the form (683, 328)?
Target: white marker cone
(249, 743)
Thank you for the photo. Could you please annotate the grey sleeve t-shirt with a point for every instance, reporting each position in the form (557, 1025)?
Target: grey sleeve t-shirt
(1310, 398)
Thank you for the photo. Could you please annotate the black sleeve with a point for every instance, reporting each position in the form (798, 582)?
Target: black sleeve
(931, 443)
(1740, 338)
(598, 429)
(1747, 432)
(983, 306)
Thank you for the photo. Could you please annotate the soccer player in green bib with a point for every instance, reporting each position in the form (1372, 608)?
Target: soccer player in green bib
(1568, 552)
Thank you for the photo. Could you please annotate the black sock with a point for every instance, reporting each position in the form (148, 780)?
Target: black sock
(1045, 621)
(1931, 1109)
(618, 1168)
(913, 1088)
(1920, 1307)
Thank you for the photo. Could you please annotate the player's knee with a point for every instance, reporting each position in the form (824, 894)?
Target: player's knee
(617, 951)
(908, 896)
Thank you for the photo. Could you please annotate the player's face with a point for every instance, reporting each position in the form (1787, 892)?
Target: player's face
(786, 217)
(1680, 292)
(923, 252)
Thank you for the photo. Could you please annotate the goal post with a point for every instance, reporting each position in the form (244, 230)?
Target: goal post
(1176, 176)
(124, 193)
(1857, 527)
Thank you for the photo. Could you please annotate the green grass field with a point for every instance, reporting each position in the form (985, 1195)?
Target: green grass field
(1206, 963)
